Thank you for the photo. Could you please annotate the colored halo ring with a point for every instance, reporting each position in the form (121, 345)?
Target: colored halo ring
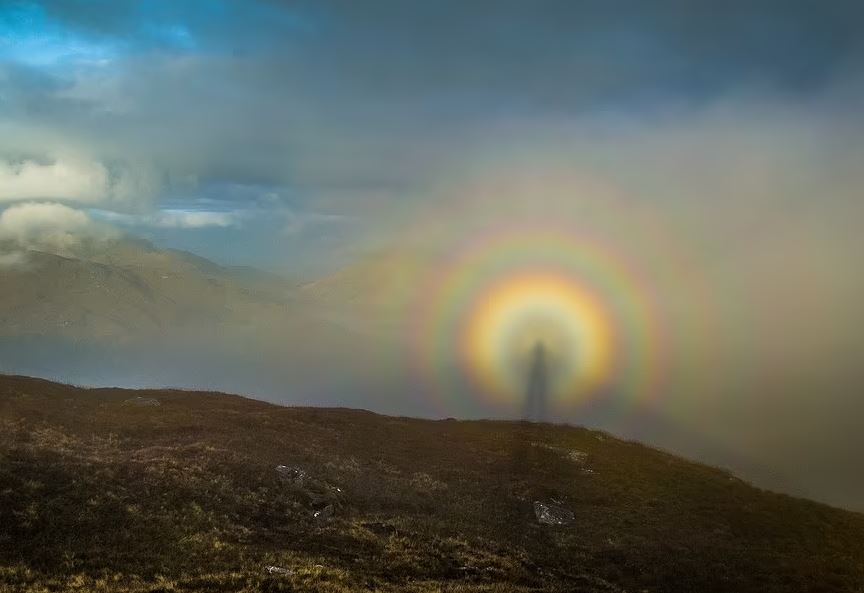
(601, 292)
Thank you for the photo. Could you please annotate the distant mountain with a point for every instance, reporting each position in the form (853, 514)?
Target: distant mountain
(115, 490)
(376, 281)
(128, 287)
(370, 296)
(123, 312)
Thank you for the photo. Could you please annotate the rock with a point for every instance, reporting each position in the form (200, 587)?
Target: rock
(293, 475)
(323, 514)
(317, 494)
(552, 513)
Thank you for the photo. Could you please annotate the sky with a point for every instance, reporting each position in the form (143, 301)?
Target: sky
(288, 129)
(716, 148)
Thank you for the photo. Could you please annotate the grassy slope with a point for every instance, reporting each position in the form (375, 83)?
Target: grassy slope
(99, 496)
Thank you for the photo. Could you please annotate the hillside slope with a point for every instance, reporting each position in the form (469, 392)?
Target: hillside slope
(102, 490)
(129, 289)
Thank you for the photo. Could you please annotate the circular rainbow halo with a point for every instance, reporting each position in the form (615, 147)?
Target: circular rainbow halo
(488, 307)
(525, 310)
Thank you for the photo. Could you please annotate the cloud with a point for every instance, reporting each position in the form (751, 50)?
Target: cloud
(186, 219)
(79, 181)
(51, 226)
(326, 96)
(172, 218)
(27, 180)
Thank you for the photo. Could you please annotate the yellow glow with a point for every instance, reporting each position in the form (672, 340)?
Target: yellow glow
(520, 312)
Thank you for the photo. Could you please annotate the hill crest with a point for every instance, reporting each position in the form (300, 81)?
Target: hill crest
(188, 494)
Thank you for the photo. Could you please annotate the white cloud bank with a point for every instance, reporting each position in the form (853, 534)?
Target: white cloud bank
(52, 226)
(74, 180)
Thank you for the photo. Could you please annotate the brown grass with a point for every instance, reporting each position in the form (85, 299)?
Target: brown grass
(98, 496)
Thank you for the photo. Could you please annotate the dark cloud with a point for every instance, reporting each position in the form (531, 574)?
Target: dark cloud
(323, 93)
(533, 48)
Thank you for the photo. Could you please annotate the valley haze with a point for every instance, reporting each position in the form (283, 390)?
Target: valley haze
(131, 314)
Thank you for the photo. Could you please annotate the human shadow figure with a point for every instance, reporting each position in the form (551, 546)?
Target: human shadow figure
(533, 428)
(538, 385)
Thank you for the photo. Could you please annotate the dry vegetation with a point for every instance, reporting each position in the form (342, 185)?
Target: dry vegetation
(100, 496)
